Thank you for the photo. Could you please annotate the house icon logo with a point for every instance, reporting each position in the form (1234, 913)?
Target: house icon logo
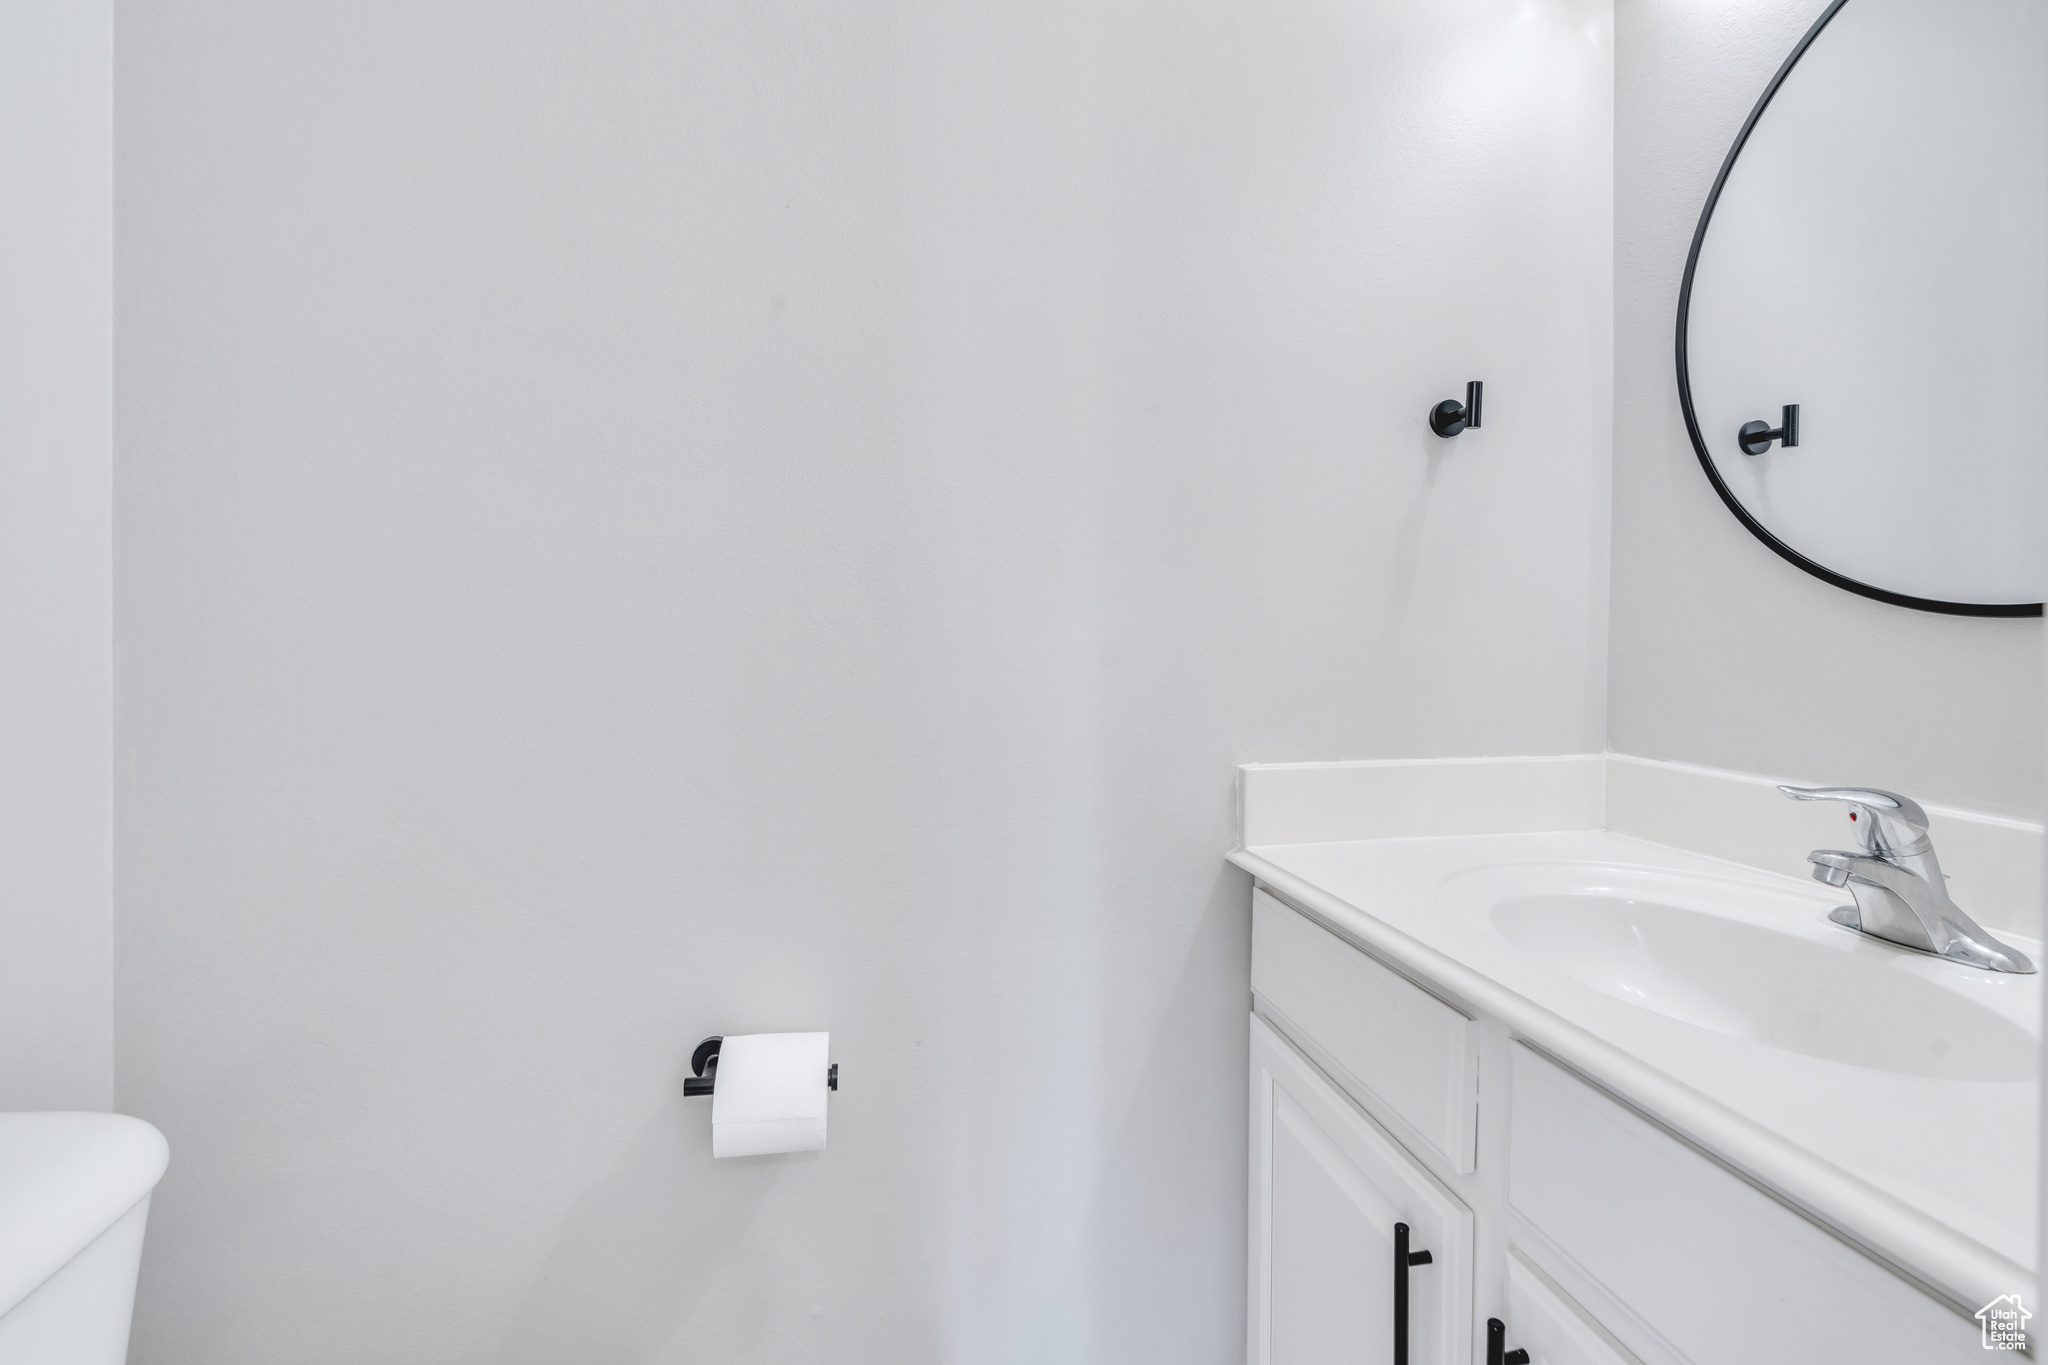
(2005, 1323)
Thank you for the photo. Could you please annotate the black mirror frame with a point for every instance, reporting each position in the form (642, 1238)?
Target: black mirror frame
(1692, 425)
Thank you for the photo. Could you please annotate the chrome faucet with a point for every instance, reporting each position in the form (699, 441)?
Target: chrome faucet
(1896, 880)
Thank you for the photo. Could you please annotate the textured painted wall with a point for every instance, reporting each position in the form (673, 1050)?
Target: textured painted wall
(674, 518)
(1722, 653)
(56, 541)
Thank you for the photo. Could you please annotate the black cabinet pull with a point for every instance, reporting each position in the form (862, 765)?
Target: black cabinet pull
(1403, 1258)
(1496, 1346)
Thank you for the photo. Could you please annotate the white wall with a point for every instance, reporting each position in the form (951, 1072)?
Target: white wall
(56, 510)
(674, 518)
(1722, 653)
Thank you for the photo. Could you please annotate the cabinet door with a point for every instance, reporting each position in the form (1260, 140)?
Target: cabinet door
(1546, 1325)
(1706, 1267)
(1327, 1187)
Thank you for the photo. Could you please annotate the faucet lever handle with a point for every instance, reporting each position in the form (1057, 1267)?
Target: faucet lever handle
(1890, 823)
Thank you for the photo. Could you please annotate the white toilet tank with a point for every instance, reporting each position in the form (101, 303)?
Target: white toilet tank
(74, 1194)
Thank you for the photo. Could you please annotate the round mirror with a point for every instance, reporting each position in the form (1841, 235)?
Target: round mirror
(1863, 328)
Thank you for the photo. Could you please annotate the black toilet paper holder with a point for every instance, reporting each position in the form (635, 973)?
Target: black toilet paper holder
(704, 1061)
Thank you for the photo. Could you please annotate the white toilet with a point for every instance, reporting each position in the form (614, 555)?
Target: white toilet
(74, 1194)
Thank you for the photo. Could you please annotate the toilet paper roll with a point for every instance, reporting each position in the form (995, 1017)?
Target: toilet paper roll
(770, 1095)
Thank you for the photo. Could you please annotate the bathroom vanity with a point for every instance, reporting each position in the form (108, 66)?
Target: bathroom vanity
(1579, 1037)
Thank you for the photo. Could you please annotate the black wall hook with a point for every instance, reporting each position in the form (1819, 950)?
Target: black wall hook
(1450, 417)
(704, 1061)
(1756, 437)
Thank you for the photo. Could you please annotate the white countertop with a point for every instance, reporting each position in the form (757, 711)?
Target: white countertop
(1935, 1176)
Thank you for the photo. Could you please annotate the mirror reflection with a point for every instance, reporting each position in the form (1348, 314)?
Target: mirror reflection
(1863, 338)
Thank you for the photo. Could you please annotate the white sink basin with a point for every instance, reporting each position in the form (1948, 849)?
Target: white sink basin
(1809, 988)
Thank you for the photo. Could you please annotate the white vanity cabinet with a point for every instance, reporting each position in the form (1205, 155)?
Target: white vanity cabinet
(1593, 1232)
(1334, 1201)
(1346, 1005)
(1700, 1264)
(1549, 1326)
